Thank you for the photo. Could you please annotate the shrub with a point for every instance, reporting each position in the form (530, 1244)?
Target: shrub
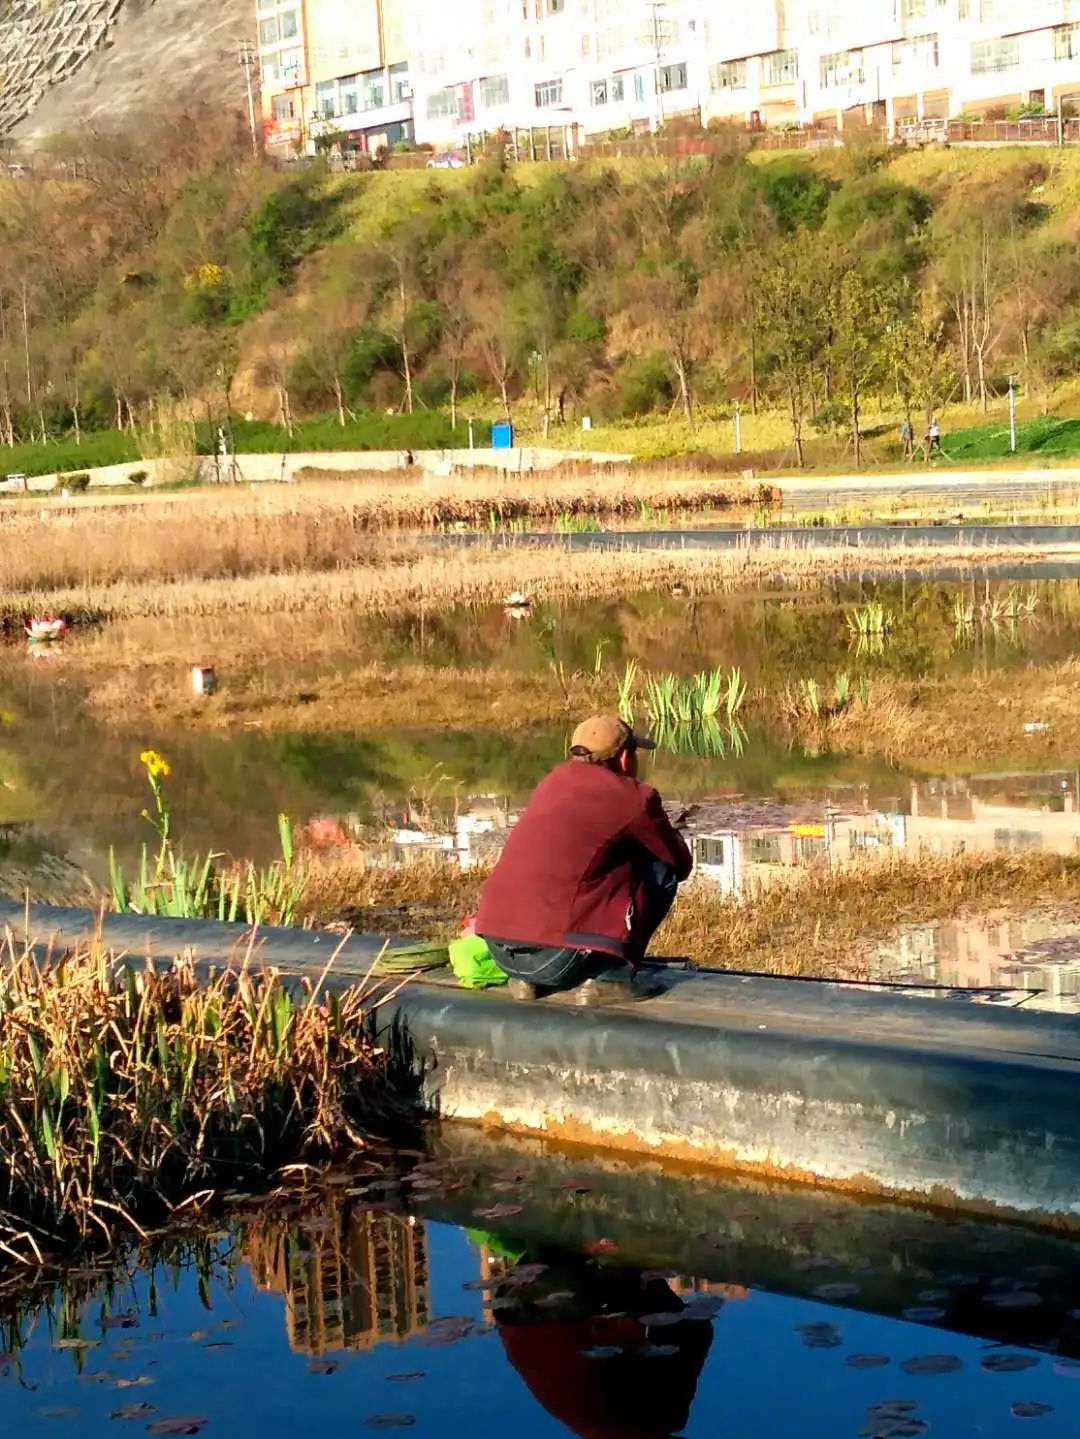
(77, 483)
(138, 477)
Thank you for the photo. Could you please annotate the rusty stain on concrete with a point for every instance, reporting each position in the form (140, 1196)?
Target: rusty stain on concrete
(580, 1134)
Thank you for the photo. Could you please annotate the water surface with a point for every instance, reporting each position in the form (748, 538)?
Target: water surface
(504, 1288)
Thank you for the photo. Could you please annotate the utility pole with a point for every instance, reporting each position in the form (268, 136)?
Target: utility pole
(1012, 415)
(247, 56)
(657, 8)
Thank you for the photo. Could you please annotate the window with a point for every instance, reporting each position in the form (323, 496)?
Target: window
(548, 93)
(349, 89)
(268, 32)
(1017, 839)
(763, 849)
(556, 7)
(912, 9)
(989, 56)
(1067, 42)
(617, 90)
(400, 83)
(270, 72)
(672, 77)
(710, 849)
(731, 75)
(290, 25)
(292, 66)
(844, 67)
(780, 67)
(372, 90)
(639, 87)
(443, 104)
(326, 99)
(599, 92)
(920, 50)
(494, 90)
(809, 847)
(284, 107)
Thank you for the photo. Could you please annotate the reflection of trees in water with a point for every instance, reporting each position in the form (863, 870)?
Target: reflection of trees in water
(83, 1303)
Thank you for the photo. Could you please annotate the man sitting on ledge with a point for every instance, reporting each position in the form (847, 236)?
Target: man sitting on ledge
(588, 874)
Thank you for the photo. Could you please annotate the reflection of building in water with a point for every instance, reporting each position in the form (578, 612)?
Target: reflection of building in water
(356, 1282)
(742, 843)
(1036, 955)
(996, 812)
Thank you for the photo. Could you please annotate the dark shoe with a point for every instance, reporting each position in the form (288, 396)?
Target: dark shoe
(616, 986)
(522, 989)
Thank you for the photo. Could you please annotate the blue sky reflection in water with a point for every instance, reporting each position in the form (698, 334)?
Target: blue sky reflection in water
(756, 1297)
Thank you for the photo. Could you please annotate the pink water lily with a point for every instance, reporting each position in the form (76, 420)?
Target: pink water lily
(53, 628)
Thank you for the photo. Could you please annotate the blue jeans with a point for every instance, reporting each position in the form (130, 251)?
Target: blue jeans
(550, 967)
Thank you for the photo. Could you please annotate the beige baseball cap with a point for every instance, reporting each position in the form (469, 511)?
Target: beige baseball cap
(602, 737)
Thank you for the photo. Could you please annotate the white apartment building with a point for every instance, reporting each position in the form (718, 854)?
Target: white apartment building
(610, 65)
(334, 68)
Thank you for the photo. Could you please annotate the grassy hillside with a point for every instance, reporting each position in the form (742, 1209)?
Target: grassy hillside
(826, 295)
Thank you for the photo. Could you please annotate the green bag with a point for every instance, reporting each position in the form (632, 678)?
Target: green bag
(474, 964)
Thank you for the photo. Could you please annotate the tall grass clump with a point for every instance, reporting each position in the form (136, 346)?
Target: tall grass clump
(695, 714)
(127, 1090)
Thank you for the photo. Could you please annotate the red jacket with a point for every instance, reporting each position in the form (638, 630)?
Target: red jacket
(573, 870)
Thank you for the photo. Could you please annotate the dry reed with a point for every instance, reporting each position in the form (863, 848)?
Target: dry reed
(129, 1089)
(441, 579)
(814, 921)
(223, 533)
(936, 721)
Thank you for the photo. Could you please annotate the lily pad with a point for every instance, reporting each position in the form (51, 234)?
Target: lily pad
(831, 1292)
(657, 1351)
(498, 1211)
(894, 1429)
(76, 1343)
(323, 1366)
(924, 1314)
(390, 1421)
(603, 1351)
(182, 1424)
(1008, 1363)
(406, 1378)
(132, 1411)
(58, 1411)
(892, 1409)
(120, 1321)
(1015, 1299)
(867, 1361)
(1066, 1368)
(1030, 1409)
(819, 1336)
(661, 1320)
(932, 1364)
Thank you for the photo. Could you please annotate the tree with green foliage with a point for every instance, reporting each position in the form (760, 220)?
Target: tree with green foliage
(793, 305)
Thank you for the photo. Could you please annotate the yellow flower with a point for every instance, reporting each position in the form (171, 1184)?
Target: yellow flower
(156, 764)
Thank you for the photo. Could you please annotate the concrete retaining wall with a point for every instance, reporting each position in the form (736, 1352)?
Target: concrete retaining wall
(259, 469)
(947, 1101)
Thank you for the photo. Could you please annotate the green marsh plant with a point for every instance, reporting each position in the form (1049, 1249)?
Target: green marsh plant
(182, 886)
(128, 1089)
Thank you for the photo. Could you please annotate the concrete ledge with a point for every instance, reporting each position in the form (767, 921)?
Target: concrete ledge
(958, 1104)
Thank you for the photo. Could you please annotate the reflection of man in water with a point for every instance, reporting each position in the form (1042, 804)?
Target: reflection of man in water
(556, 1331)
